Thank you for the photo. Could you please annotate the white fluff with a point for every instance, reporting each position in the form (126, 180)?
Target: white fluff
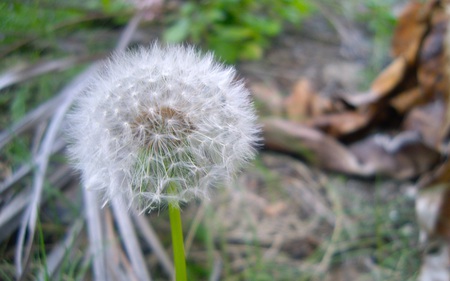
(156, 117)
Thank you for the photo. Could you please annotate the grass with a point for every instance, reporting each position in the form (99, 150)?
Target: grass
(370, 226)
(373, 236)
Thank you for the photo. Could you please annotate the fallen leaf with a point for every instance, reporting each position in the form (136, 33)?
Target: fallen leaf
(268, 96)
(411, 27)
(406, 100)
(435, 266)
(340, 124)
(305, 102)
(427, 119)
(313, 145)
(431, 71)
(389, 78)
(403, 156)
(276, 209)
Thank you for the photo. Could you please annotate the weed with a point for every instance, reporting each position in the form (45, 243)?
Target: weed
(234, 29)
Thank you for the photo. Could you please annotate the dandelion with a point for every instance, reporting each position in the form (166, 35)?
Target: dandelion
(161, 125)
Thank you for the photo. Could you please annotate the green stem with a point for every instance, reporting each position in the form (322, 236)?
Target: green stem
(177, 241)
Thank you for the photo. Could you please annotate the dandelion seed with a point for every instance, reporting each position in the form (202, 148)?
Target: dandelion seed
(172, 118)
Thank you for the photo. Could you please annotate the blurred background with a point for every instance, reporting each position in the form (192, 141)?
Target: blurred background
(351, 96)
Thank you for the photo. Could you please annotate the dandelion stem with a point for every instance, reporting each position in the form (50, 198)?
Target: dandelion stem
(177, 239)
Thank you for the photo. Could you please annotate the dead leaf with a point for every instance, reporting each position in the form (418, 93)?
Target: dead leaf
(305, 102)
(275, 209)
(443, 222)
(318, 148)
(406, 100)
(268, 96)
(427, 120)
(431, 72)
(403, 156)
(428, 205)
(411, 27)
(435, 265)
(340, 124)
(389, 78)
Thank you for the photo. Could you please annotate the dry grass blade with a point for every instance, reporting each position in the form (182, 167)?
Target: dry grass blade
(40, 114)
(118, 266)
(69, 93)
(19, 75)
(94, 227)
(194, 226)
(25, 169)
(217, 269)
(130, 239)
(30, 217)
(10, 214)
(152, 239)
(56, 257)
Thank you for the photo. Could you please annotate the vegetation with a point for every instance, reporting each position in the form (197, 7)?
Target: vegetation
(378, 229)
(235, 29)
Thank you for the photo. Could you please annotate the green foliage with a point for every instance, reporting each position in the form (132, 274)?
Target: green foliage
(42, 255)
(22, 20)
(381, 22)
(234, 29)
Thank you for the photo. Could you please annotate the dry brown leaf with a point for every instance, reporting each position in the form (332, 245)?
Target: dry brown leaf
(431, 72)
(276, 209)
(408, 35)
(389, 78)
(433, 204)
(406, 100)
(268, 96)
(305, 102)
(443, 221)
(340, 124)
(403, 156)
(360, 99)
(320, 149)
(427, 120)
(298, 102)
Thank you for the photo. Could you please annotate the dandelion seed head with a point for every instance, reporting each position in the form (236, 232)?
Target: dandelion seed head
(159, 117)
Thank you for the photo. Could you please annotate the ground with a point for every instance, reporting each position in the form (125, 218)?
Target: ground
(283, 218)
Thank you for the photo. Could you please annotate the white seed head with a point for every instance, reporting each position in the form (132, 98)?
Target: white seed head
(159, 124)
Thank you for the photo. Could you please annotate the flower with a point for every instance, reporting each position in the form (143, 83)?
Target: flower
(159, 124)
